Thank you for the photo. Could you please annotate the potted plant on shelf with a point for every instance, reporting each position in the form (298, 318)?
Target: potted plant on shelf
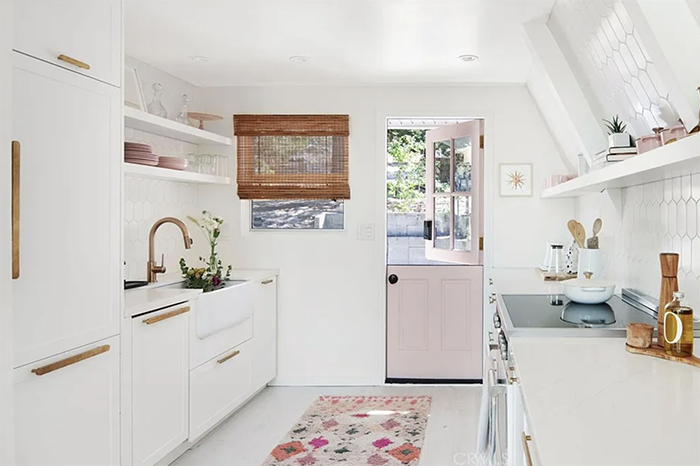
(617, 133)
(213, 276)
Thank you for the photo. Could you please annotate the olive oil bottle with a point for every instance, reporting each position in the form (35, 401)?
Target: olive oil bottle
(678, 327)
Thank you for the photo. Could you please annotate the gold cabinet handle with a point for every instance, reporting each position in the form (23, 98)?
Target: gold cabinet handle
(267, 282)
(226, 358)
(166, 315)
(16, 149)
(71, 360)
(74, 62)
(526, 446)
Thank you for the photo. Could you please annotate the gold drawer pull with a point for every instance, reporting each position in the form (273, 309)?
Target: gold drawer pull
(16, 149)
(71, 360)
(526, 446)
(267, 282)
(226, 358)
(167, 315)
(74, 62)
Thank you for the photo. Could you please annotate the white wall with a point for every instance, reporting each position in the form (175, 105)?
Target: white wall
(332, 285)
(6, 413)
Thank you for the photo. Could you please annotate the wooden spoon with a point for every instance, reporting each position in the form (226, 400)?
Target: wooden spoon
(572, 228)
(580, 235)
(597, 226)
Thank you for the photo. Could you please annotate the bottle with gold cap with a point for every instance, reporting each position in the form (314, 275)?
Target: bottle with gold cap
(678, 327)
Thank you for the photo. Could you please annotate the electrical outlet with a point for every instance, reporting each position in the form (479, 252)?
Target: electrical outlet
(365, 232)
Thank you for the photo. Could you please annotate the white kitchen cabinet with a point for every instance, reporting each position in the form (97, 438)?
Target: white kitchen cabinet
(88, 31)
(265, 332)
(218, 387)
(68, 292)
(521, 444)
(67, 408)
(208, 339)
(160, 362)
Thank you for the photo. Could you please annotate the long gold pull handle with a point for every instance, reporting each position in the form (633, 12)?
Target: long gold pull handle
(166, 315)
(69, 361)
(15, 208)
(74, 62)
(267, 282)
(226, 358)
(526, 446)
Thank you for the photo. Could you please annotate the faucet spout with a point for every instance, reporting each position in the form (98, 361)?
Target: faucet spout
(152, 268)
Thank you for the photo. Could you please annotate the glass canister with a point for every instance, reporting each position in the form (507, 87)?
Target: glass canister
(555, 267)
(678, 327)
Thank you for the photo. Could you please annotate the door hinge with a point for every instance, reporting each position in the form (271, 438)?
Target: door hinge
(481, 243)
(481, 141)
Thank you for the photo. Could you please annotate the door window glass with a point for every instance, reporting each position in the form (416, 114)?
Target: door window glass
(462, 223)
(442, 222)
(442, 166)
(463, 164)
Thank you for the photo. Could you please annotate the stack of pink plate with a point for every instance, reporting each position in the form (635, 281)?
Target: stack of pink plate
(174, 163)
(141, 154)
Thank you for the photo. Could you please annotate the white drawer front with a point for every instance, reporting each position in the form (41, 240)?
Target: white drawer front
(217, 388)
(204, 349)
(70, 415)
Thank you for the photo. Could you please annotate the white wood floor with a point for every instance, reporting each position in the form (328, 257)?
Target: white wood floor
(250, 434)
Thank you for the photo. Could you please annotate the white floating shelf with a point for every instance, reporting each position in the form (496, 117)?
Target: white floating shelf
(676, 159)
(173, 175)
(154, 124)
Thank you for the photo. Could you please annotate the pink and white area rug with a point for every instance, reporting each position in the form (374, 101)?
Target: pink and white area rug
(356, 431)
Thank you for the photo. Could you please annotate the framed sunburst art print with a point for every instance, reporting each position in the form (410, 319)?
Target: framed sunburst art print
(516, 179)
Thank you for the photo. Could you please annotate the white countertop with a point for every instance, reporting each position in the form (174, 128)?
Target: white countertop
(593, 404)
(160, 295)
(522, 281)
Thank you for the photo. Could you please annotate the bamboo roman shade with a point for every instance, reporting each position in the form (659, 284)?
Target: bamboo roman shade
(292, 156)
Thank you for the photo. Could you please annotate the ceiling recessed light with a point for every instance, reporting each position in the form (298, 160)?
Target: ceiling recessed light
(298, 59)
(199, 58)
(468, 58)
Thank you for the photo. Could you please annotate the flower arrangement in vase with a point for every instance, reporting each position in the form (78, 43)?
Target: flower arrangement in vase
(213, 276)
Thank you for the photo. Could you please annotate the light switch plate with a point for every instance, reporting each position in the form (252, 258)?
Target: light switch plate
(365, 232)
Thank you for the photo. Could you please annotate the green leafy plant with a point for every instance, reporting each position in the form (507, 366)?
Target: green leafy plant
(406, 150)
(615, 126)
(212, 277)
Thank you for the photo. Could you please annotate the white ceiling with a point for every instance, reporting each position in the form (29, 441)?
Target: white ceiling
(249, 42)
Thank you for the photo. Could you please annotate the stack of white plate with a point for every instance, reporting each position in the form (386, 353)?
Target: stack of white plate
(174, 163)
(141, 154)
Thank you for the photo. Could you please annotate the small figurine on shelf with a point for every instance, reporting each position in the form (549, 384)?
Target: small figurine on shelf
(182, 117)
(156, 106)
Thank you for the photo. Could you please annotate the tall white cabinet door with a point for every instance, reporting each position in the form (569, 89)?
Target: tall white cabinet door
(265, 332)
(68, 292)
(67, 410)
(160, 360)
(88, 31)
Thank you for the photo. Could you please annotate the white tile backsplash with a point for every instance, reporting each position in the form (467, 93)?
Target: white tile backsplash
(604, 49)
(657, 217)
(147, 200)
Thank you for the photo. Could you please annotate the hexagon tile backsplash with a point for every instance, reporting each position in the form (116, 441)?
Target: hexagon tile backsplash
(604, 49)
(146, 200)
(661, 217)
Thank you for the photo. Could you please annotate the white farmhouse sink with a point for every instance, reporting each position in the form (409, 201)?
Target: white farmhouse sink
(223, 308)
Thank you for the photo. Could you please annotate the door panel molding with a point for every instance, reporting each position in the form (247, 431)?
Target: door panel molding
(448, 341)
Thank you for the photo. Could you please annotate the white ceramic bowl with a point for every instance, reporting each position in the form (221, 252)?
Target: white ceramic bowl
(588, 291)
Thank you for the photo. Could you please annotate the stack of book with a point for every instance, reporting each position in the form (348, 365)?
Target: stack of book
(612, 156)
